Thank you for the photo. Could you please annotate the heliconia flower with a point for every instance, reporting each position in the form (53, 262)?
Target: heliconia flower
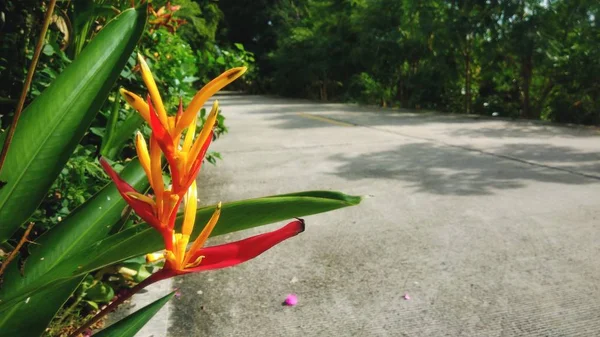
(181, 260)
(175, 138)
(184, 158)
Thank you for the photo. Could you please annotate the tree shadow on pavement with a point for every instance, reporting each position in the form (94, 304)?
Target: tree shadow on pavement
(524, 129)
(446, 170)
(288, 112)
(308, 117)
(560, 156)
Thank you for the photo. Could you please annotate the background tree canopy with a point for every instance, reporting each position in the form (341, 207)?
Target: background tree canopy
(518, 58)
(537, 59)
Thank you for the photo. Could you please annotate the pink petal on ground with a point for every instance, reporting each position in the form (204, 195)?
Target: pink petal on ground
(291, 300)
(406, 296)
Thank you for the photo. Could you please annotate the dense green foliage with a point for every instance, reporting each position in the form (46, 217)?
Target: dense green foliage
(182, 59)
(87, 250)
(519, 58)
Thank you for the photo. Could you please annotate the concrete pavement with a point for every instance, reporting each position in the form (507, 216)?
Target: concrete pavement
(490, 226)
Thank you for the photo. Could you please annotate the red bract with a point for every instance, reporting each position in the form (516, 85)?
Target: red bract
(143, 209)
(234, 253)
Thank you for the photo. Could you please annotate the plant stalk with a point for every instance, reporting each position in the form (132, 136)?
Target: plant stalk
(69, 309)
(15, 251)
(27, 84)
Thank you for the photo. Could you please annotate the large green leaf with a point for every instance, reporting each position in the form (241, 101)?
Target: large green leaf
(42, 306)
(139, 240)
(55, 122)
(235, 216)
(130, 325)
(89, 223)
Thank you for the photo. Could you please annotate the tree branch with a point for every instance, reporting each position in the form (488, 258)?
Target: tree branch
(15, 251)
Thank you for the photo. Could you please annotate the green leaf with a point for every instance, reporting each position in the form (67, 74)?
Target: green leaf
(130, 325)
(140, 270)
(92, 304)
(97, 131)
(100, 293)
(141, 239)
(111, 124)
(43, 305)
(87, 224)
(87, 11)
(54, 123)
(121, 135)
(235, 216)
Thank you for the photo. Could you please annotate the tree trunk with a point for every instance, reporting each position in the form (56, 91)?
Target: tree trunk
(400, 92)
(467, 77)
(324, 90)
(527, 75)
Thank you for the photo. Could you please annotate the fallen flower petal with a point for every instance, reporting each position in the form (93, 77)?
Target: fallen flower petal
(291, 300)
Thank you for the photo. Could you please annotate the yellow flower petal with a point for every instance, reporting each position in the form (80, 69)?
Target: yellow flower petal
(191, 204)
(201, 239)
(210, 122)
(142, 151)
(205, 93)
(170, 200)
(153, 90)
(170, 257)
(137, 103)
(181, 162)
(171, 121)
(153, 257)
(141, 197)
(127, 273)
(195, 263)
(189, 137)
(181, 242)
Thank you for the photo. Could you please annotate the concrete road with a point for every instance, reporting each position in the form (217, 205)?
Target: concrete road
(491, 227)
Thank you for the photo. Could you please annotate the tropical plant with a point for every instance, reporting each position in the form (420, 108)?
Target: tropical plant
(92, 237)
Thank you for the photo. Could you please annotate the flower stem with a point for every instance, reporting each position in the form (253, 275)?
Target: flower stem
(158, 276)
